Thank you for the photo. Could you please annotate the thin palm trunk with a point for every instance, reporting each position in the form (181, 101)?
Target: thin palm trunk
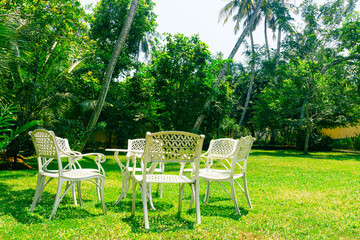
(251, 84)
(277, 59)
(308, 129)
(279, 39)
(266, 39)
(307, 112)
(110, 69)
(232, 54)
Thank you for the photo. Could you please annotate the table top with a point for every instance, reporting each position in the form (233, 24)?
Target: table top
(123, 150)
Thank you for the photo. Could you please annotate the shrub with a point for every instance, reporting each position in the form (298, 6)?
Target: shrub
(350, 143)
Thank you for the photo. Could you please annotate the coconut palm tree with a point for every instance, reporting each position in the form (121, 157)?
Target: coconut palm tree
(269, 21)
(282, 20)
(249, 25)
(243, 10)
(110, 69)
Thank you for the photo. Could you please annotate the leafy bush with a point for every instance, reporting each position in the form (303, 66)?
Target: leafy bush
(7, 131)
(317, 141)
(351, 143)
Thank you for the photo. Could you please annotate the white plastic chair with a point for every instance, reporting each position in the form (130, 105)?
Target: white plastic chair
(135, 145)
(220, 148)
(172, 147)
(65, 151)
(232, 156)
(47, 150)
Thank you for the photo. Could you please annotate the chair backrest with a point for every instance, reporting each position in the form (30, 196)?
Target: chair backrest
(243, 151)
(136, 144)
(46, 148)
(221, 147)
(63, 144)
(173, 146)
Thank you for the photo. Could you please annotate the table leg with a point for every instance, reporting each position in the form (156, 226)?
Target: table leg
(125, 178)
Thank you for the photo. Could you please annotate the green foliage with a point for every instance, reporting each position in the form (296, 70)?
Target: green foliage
(350, 143)
(51, 66)
(7, 132)
(349, 34)
(48, 41)
(294, 197)
(181, 80)
(315, 86)
(6, 121)
(106, 25)
(169, 92)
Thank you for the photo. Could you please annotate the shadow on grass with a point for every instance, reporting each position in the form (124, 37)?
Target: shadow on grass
(160, 222)
(214, 209)
(312, 155)
(17, 204)
(125, 205)
(159, 219)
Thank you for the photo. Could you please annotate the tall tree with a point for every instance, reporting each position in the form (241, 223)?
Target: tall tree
(41, 56)
(110, 68)
(279, 32)
(232, 54)
(244, 10)
(269, 20)
(317, 80)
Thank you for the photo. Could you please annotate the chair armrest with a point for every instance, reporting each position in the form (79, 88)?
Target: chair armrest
(75, 156)
(99, 157)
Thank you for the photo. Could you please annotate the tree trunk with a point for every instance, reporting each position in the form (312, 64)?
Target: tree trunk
(251, 84)
(279, 39)
(266, 39)
(308, 129)
(307, 112)
(110, 69)
(232, 54)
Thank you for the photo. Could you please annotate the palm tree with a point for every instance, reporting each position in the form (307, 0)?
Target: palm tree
(243, 9)
(110, 69)
(249, 26)
(282, 22)
(147, 45)
(269, 21)
(279, 38)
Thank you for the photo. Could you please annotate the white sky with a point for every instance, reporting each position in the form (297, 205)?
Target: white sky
(201, 17)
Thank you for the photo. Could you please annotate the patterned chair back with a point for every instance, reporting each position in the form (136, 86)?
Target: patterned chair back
(46, 149)
(173, 146)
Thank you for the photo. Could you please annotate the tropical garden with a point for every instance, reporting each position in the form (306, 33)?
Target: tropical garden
(74, 71)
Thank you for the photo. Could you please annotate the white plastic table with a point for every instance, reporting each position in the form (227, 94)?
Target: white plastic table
(124, 171)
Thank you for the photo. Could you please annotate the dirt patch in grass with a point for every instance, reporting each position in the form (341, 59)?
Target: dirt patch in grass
(9, 164)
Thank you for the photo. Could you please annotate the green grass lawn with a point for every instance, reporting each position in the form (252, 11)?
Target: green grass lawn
(294, 197)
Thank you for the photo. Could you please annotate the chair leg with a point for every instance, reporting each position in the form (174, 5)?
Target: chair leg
(161, 185)
(192, 196)
(78, 184)
(97, 189)
(197, 202)
(102, 194)
(181, 193)
(233, 197)
(246, 192)
(57, 199)
(37, 192)
(159, 189)
(133, 197)
(207, 195)
(125, 186)
(42, 188)
(73, 193)
(150, 197)
(144, 201)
